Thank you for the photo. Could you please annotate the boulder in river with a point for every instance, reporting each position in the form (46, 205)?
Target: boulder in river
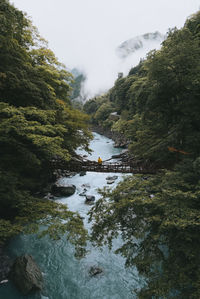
(86, 186)
(26, 275)
(89, 199)
(82, 193)
(95, 271)
(66, 190)
(110, 182)
(112, 178)
(82, 173)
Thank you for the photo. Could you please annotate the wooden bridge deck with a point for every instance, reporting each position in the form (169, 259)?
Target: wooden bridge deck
(121, 167)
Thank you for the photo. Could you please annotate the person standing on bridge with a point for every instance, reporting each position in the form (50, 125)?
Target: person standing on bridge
(99, 161)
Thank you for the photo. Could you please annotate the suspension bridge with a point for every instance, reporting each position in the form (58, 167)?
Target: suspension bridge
(76, 165)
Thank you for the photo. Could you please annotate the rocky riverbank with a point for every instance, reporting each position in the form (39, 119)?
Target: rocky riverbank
(120, 141)
(5, 265)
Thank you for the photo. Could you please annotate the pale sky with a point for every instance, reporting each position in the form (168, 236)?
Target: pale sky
(85, 33)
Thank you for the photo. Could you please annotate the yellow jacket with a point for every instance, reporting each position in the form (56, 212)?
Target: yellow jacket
(99, 160)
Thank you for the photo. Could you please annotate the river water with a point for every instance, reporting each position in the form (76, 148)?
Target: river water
(65, 276)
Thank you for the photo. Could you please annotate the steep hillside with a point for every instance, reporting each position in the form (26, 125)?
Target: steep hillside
(37, 125)
(158, 216)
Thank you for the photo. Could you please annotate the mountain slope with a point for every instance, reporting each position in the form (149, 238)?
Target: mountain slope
(145, 41)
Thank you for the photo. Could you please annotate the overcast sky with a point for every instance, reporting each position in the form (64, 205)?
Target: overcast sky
(85, 33)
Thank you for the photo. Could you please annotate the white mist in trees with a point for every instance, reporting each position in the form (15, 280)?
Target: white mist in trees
(84, 34)
(113, 61)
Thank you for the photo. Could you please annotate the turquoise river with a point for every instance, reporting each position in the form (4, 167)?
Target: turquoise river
(66, 277)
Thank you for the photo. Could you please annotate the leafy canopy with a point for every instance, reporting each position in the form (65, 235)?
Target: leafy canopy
(158, 217)
(37, 124)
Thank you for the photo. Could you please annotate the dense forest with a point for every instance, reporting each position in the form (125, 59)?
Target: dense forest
(158, 112)
(158, 216)
(37, 125)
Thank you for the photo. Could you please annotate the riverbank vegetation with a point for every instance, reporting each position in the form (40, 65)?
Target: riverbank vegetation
(37, 125)
(158, 216)
(156, 107)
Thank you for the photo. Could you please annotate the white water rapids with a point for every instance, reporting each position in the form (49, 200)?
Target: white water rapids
(65, 276)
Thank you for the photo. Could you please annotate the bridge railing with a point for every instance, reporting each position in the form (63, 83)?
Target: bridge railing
(125, 167)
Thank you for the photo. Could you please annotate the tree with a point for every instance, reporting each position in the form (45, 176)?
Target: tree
(37, 125)
(158, 217)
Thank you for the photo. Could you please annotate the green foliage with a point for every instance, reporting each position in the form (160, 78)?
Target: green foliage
(37, 124)
(99, 108)
(91, 106)
(8, 230)
(159, 220)
(103, 112)
(162, 93)
(119, 94)
(158, 217)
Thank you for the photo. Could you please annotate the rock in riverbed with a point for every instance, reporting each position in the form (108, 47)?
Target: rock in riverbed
(66, 190)
(86, 186)
(82, 173)
(26, 275)
(89, 199)
(112, 178)
(82, 193)
(109, 182)
(95, 271)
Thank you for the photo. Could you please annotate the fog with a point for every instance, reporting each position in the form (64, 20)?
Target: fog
(102, 77)
(85, 33)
